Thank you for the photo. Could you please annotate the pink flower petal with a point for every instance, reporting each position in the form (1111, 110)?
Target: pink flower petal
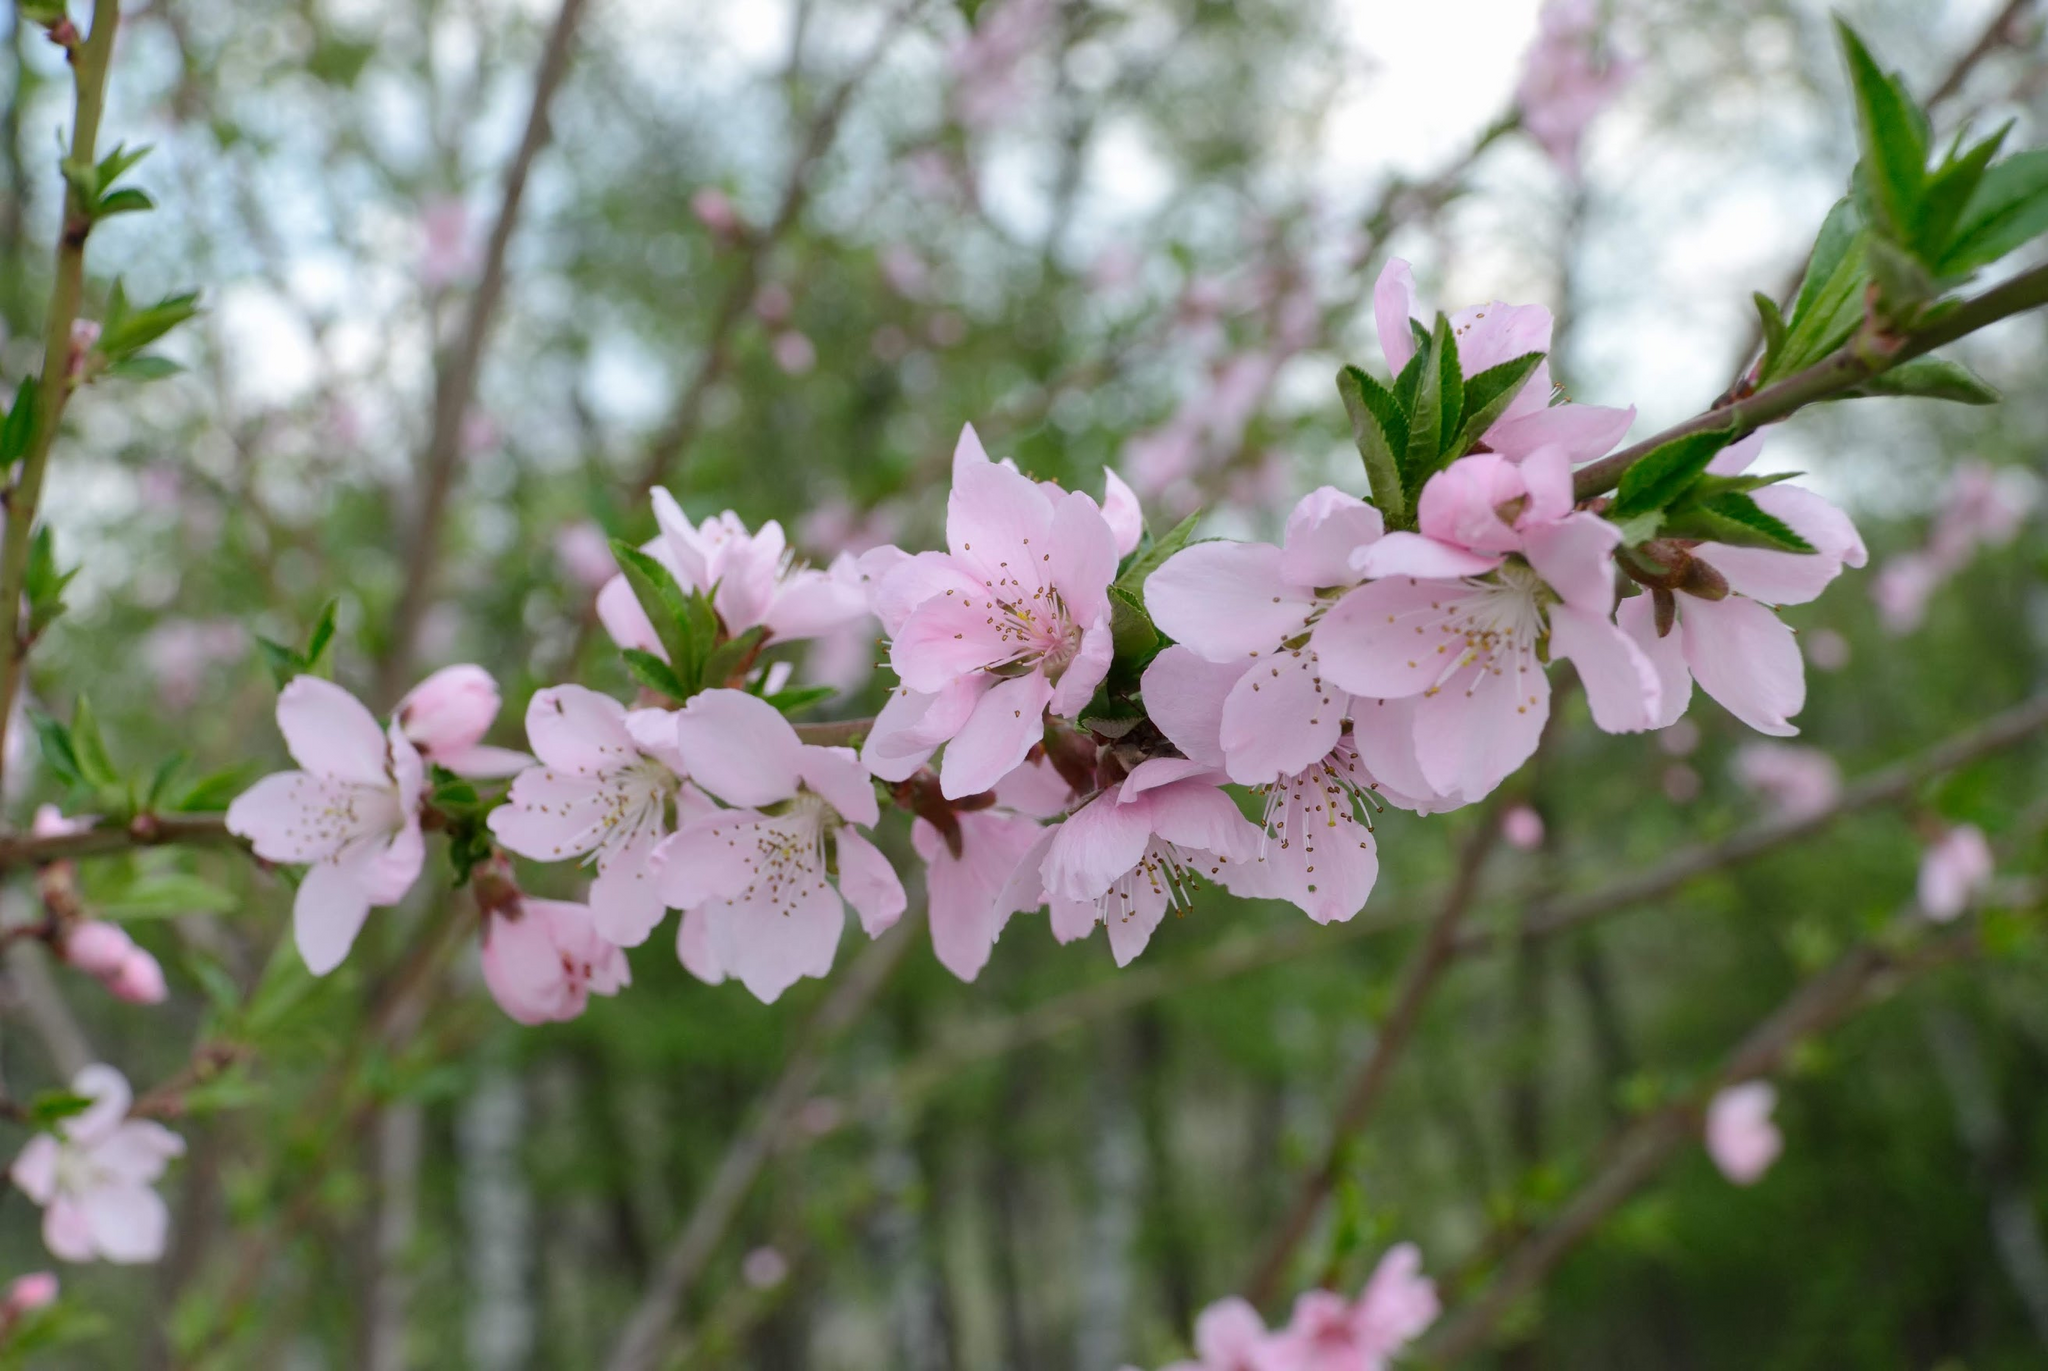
(1744, 656)
(869, 883)
(1005, 724)
(329, 733)
(739, 747)
(1227, 601)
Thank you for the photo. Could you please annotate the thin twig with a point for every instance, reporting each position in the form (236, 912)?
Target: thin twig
(648, 1330)
(455, 387)
(144, 830)
(89, 62)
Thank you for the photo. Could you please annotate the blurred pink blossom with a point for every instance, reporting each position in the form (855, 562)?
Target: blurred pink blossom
(1522, 827)
(26, 1294)
(1983, 506)
(178, 653)
(907, 273)
(1566, 79)
(1798, 781)
(1679, 740)
(448, 249)
(93, 1172)
(714, 210)
(1826, 649)
(1954, 869)
(1681, 784)
(105, 952)
(585, 554)
(773, 303)
(1741, 1138)
(764, 1268)
(986, 65)
(50, 822)
(794, 353)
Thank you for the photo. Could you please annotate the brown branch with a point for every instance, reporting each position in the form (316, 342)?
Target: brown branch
(455, 386)
(1856, 362)
(89, 62)
(647, 1331)
(1643, 1147)
(1418, 982)
(144, 830)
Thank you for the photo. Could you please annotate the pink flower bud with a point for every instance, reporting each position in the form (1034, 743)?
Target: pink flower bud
(1522, 827)
(544, 965)
(139, 980)
(51, 823)
(714, 210)
(773, 303)
(37, 1290)
(98, 949)
(450, 711)
(1741, 1138)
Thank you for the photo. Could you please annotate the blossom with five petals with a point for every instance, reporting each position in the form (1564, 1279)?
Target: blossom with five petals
(596, 789)
(93, 1172)
(1457, 613)
(752, 881)
(352, 813)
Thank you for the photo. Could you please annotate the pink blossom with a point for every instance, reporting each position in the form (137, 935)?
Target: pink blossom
(50, 822)
(543, 963)
(26, 1294)
(1457, 614)
(753, 580)
(585, 554)
(92, 1175)
(1954, 870)
(1827, 649)
(752, 880)
(1229, 1336)
(1487, 336)
(140, 980)
(1741, 1138)
(448, 250)
(1142, 845)
(794, 353)
(179, 652)
(988, 85)
(446, 717)
(714, 210)
(1330, 1333)
(106, 952)
(965, 891)
(1736, 647)
(1798, 781)
(1011, 621)
(1566, 82)
(596, 789)
(1902, 587)
(352, 813)
(1983, 507)
(1522, 827)
(764, 1268)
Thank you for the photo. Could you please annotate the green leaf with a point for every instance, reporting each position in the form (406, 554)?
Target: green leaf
(1664, 473)
(1133, 578)
(212, 791)
(796, 699)
(1451, 391)
(1487, 397)
(1136, 640)
(90, 748)
(126, 201)
(43, 584)
(1836, 237)
(1772, 324)
(1890, 131)
(168, 895)
(2008, 210)
(1380, 429)
(160, 780)
(731, 658)
(143, 367)
(1931, 378)
(115, 164)
(128, 331)
(1948, 194)
(1425, 415)
(1830, 309)
(322, 636)
(1734, 518)
(20, 425)
(654, 673)
(1903, 283)
(662, 600)
(284, 662)
(51, 1107)
(54, 737)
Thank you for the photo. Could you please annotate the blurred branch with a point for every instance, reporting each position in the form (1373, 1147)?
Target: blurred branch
(144, 830)
(1641, 1149)
(646, 1333)
(1858, 360)
(89, 62)
(455, 385)
(1418, 982)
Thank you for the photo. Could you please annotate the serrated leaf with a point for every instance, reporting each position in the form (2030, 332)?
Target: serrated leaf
(1948, 193)
(1487, 397)
(1737, 520)
(1930, 378)
(654, 673)
(1890, 134)
(663, 602)
(731, 659)
(20, 425)
(322, 636)
(2008, 210)
(167, 895)
(1425, 415)
(1664, 473)
(116, 164)
(1133, 578)
(1380, 429)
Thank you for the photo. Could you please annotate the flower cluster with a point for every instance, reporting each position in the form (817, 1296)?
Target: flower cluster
(1080, 708)
(93, 1171)
(1327, 1332)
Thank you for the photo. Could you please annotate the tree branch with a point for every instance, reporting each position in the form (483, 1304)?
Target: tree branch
(1856, 362)
(455, 386)
(144, 830)
(89, 63)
